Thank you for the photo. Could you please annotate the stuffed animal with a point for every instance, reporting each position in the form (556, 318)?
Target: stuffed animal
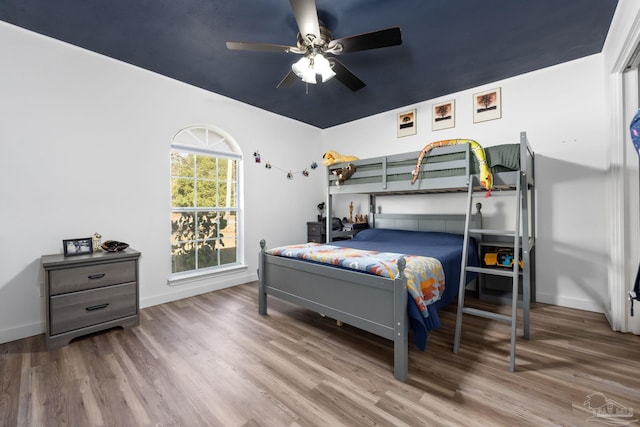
(486, 178)
(344, 174)
(331, 157)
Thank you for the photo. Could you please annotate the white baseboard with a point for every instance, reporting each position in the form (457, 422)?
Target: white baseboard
(580, 304)
(22, 331)
(196, 288)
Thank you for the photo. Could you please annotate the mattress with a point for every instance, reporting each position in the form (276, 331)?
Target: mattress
(446, 247)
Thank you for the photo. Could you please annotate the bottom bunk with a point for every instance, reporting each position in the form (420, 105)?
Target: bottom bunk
(376, 304)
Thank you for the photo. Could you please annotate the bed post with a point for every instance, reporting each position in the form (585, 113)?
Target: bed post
(400, 324)
(372, 210)
(262, 291)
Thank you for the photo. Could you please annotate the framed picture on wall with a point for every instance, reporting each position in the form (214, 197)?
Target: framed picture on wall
(407, 124)
(487, 105)
(443, 115)
(73, 247)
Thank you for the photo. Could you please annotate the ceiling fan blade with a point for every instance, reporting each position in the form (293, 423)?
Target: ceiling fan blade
(307, 17)
(373, 40)
(288, 80)
(345, 76)
(261, 47)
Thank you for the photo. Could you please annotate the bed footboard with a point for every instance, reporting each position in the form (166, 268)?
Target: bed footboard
(368, 302)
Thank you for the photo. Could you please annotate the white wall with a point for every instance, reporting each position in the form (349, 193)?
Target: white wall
(85, 148)
(562, 109)
(86, 143)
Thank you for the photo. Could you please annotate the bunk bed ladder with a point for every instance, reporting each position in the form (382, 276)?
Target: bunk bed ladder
(512, 319)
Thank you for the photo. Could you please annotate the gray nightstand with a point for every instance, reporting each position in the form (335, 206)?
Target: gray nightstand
(316, 232)
(89, 293)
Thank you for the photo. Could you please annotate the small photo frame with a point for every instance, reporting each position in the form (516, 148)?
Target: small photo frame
(443, 115)
(487, 105)
(73, 247)
(407, 124)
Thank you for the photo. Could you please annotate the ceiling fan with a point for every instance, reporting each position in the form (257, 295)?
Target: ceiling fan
(315, 42)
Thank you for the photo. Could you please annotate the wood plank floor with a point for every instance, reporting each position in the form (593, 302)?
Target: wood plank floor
(211, 360)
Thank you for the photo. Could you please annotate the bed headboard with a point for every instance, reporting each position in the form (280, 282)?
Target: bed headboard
(427, 222)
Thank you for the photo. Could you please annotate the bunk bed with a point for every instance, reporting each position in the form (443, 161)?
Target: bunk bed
(380, 305)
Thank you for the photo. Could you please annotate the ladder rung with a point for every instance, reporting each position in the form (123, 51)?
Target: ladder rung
(494, 271)
(487, 314)
(508, 233)
(522, 243)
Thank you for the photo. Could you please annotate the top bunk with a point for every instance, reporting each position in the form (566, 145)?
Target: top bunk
(444, 169)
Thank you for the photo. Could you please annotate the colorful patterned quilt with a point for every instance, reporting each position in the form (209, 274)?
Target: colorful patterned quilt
(425, 275)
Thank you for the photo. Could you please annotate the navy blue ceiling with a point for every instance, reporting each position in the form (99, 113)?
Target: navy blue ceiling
(448, 45)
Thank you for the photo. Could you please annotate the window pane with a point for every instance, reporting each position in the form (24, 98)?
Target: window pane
(182, 192)
(224, 169)
(183, 227)
(182, 258)
(222, 192)
(181, 164)
(233, 200)
(207, 254)
(206, 191)
(206, 167)
(234, 170)
(210, 224)
(228, 255)
(229, 240)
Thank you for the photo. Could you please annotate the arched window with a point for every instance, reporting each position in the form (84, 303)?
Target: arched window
(205, 201)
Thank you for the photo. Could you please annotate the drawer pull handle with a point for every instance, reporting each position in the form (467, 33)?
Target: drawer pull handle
(97, 307)
(97, 276)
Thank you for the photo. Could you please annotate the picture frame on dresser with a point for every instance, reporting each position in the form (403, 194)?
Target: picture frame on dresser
(73, 247)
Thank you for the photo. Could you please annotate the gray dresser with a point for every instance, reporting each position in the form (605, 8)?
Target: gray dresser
(89, 293)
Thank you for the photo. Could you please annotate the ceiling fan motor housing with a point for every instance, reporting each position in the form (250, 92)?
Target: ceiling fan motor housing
(325, 37)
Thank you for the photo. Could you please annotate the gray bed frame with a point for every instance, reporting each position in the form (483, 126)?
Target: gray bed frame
(368, 302)
(372, 303)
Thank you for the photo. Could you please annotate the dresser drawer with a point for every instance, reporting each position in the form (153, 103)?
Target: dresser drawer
(91, 307)
(91, 276)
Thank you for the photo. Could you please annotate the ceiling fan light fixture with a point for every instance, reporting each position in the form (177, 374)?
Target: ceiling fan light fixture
(323, 67)
(304, 69)
(308, 66)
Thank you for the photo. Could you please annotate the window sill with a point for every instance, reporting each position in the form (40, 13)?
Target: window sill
(194, 277)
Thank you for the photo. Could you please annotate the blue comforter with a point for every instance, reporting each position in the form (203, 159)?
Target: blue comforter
(445, 247)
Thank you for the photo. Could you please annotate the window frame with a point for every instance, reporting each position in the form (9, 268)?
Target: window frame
(199, 148)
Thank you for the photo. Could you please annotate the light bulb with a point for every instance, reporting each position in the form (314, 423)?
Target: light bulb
(323, 67)
(308, 66)
(304, 69)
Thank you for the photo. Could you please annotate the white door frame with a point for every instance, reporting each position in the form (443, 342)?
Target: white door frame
(623, 197)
